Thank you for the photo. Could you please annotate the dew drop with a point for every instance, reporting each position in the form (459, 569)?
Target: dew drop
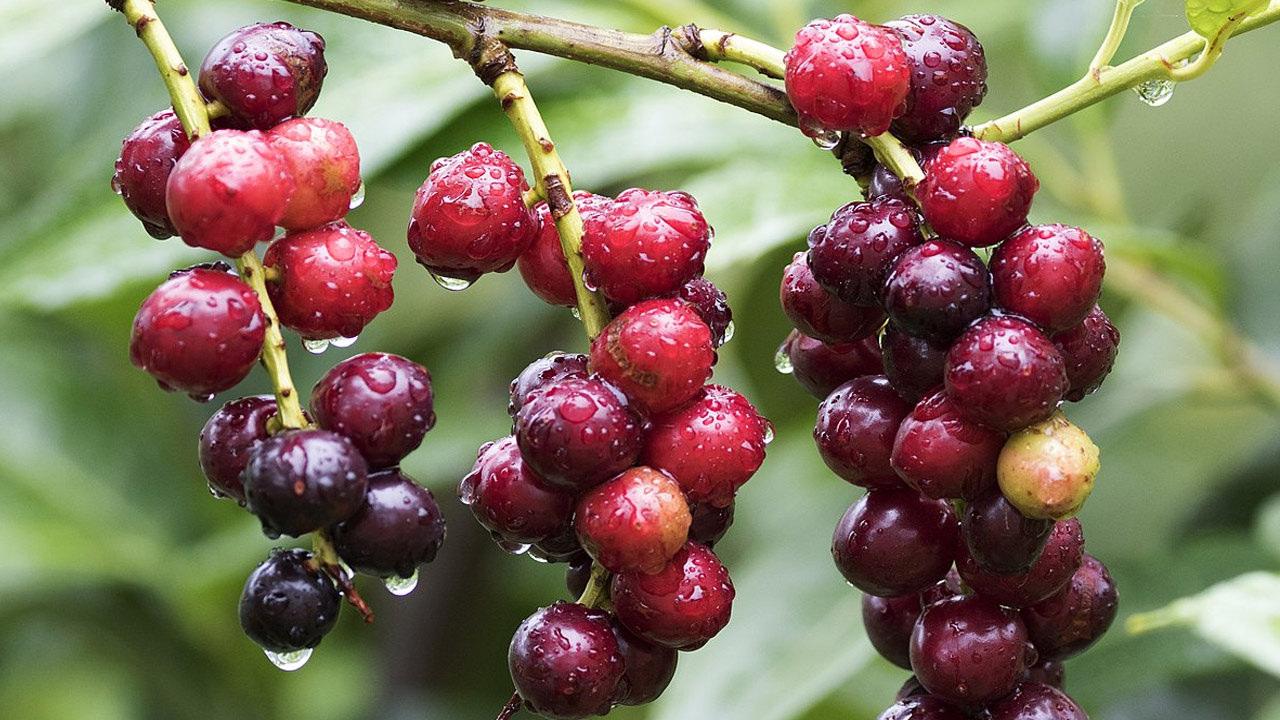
(358, 199)
(289, 661)
(344, 342)
(768, 432)
(397, 585)
(728, 333)
(575, 312)
(826, 139)
(315, 347)
(452, 284)
(1155, 92)
(782, 361)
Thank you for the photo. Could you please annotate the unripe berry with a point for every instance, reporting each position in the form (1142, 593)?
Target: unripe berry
(1062, 555)
(948, 76)
(288, 604)
(712, 305)
(1000, 539)
(300, 481)
(970, 651)
(658, 352)
(322, 158)
(1047, 470)
(1089, 350)
(819, 314)
(913, 365)
(383, 403)
(895, 542)
(853, 254)
(543, 373)
(682, 606)
(265, 73)
(635, 522)
(942, 453)
(509, 499)
(1034, 701)
(649, 668)
(1068, 622)
(578, 433)
(856, 428)
(821, 368)
(396, 529)
(227, 438)
(565, 662)
(1004, 373)
(937, 289)
(147, 156)
(976, 192)
(542, 264)
(1049, 274)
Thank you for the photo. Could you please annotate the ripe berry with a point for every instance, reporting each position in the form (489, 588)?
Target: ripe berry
(846, 74)
(819, 314)
(545, 372)
(889, 622)
(647, 244)
(682, 606)
(322, 157)
(936, 289)
(884, 182)
(265, 73)
(200, 332)
(712, 446)
(226, 439)
(712, 305)
(855, 430)
(853, 254)
(1062, 555)
(942, 453)
(300, 481)
(383, 403)
(565, 662)
(1088, 349)
(147, 156)
(228, 192)
(969, 650)
(398, 528)
(649, 669)
(948, 76)
(658, 352)
(578, 433)
(1075, 617)
(469, 216)
(913, 365)
(1048, 672)
(332, 280)
(709, 523)
(976, 192)
(1000, 539)
(1049, 274)
(288, 604)
(1003, 372)
(509, 499)
(923, 707)
(563, 546)
(578, 575)
(542, 264)
(821, 368)
(1034, 701)
(635, 522)
(895, 542)
(1047, 470)
(911, 687)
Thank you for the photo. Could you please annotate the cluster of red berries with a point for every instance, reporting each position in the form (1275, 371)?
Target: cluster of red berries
(942, 377)
(202, 330)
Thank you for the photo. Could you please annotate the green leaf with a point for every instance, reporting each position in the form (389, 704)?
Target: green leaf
(1208, 17)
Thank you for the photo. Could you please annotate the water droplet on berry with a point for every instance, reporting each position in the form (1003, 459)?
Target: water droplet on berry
(1155, 92)
(728, 333)
(452, 284)
(315, 347)
(768, 432)
(344, 342)
(289, 661)
(575, 312)
(358, 199)
(401, 586)
(825, 139)
(782, 361)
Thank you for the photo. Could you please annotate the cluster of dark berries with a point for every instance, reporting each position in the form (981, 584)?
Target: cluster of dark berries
(943, 375)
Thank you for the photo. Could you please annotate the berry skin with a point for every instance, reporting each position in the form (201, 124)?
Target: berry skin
(855, 431)
(682, 606)
(147, 156)
(469, 216)
(509, 499)
(322, 158)
(1049, 274)
(948, 76)
(563, 546)
(970, 651)
(936, 289)
(565, 662)
(821, 368)
(1004, 373)
(846, 74)
(712, 305)
(398, 528)
(227, 438)
(265, 73)
(287, 603)
(542, 373)
(913, 365)
(976, 192)
(382, 402)
(647, 244)
(658, 352)
(333, 280)
(709, 523)
(1068, 622)
(228, 192)
(1000, 539)
(649, 669)
(578, 433)
(1062, 556)
(1035, 701)
(819, 314)
(712, 446)
(300, 481)
(942, 453)
(1048, 672)
(923, 707)
(200, 332)
(889, 622)
(635, 522)
(853, 254)
(578, 575)
(894, 542)
(1089, 350)
(1047, 470)
(542, 264)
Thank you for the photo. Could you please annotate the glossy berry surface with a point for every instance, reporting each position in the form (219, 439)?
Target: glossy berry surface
(856, 427)
(509, 499)
(1089, 350)
(913, 365)
(1047, 470)
(1062, 555)
(936, 289)
(711, 446)
(322, 158)
(970, 651)
(895, 542)
(288, 605)
(712, 305)
(821, 368)
(1000, 539)
(578, 575)
(1049, 274)
(948, 76)
(658, 352)
(383, 403)
(647, 244)
(147, 156)
(709, 523)
(333, 280)
(923, 707)
(819, 314)
(228, 192)
(265, 73)
(976, 192)
(1004, 373)
(635, 522)
(396, 529)
(300, 481)
(682, 606)
(227, 438)
(1035, 701)
(469, 216)
(1048, 672)
(565, 662)
(1068, 622)
(578, 433)
(846, 74)
(560, 547)
(853, 254)
(200, 332)
(545, 372)
(889, 622)
(542, 264)
(884, 182)
(649, 669)
(942, 453)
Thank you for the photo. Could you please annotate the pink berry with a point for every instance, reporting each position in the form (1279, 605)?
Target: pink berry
(142, 172)
(855, 430)
(940, 452)
(948, 76)
(682, 606)
(265, 73)
(1004, 373)
(382, 402)
(578, 432)
(1089, 350)
(509, 499)
(976, 192)
(542, 264)
(658, 352)
(322, 157)
(819, 314)
(635, 522)
(853, 254)
(1049, 274)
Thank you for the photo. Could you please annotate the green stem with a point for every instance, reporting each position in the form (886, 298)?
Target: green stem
(1115, 34)
(717, 45)
(597, 589)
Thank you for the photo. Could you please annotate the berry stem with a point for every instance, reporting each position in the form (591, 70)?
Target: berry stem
(1115, 34)
(327, 558)
(717, 45)
(511, 708)
(597, 587)
(274, 358)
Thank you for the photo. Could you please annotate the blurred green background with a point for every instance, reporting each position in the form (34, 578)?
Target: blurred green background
(119, 575)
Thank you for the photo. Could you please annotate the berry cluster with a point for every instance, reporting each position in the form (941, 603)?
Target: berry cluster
(335, 473)
(943, 375)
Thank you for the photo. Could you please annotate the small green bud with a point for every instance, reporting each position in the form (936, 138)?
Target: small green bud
(1047, 469)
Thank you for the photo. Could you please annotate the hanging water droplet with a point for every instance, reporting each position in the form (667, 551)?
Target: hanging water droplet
(575, 312)
(289, 661)
(538, 555)
(825, 139)
(397, 585)
(768, 432)
(315, 347)
(728, 332)
(358, 199)
(782, 361)
(344, 342)
(452, 284)
(1155, 92)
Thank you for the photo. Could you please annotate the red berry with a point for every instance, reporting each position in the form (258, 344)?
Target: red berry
(976, 192)
(821, 368)
(846, 74)
(1089, 350)
(543, 373)
(649, 669)
(658, 352)
(142, 172)
(228, 192)
(889, 622)
(1049, 274)
(895, 542)
(709, 523)
(948, 76)
(509, 499)
(942, 453)
(682, 606)
(265, 73)
(853, 255)
(382, 402)
(469, 216)
(1003, 372)
(398, 528)
(565, 662)
(578, 433)
(1062, 555)
(332, 281)
(303, 480)
(647, 244)
(913, 365)
(970, 651)
(712, 446)
(936, 289)
(227, 438)
(635, 522)
(542, 264)
(819, 314)
(855, 430)
(200, 332)
(712, 305)
(923, 707)
(1000, 539)
(322, 157)
(1035, 701)
(1071, 620)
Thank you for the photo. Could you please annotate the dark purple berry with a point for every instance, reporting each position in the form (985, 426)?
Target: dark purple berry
(855, 430)
(923, 707)
(265, 73)
(545, 372)
(1000, 539)
(1034, 701)
(382, 402)
(894, 542)
(970, 651)
(821, 368)
(227, 438)
(936, 289)
(1072, 619)
(288, 604)
(913, 365)
(578, 432)
(854, 253)
(1004, 373)
(1062, 555)
(819, 314)
(649, 668)
(948, 76)
(142, 172)
(303, 480)
(1089, 350)
(578, 574)
(398, 528)
(712, 305)
(889, 622)
(1048, 672)
(565, 662)
(710, 523)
